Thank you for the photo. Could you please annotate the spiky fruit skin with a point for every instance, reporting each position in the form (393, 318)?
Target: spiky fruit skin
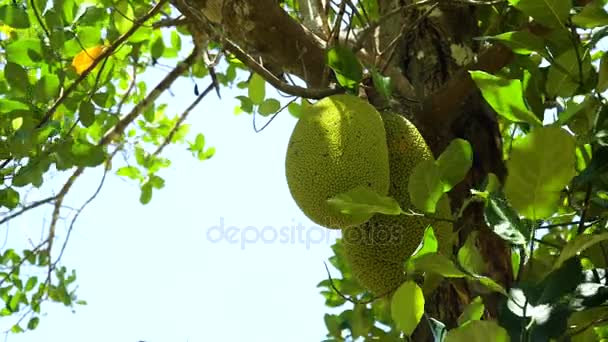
(338, 144)
(377, 249)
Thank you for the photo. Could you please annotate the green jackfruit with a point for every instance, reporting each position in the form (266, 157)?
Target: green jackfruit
(377, 250)
(338, 144)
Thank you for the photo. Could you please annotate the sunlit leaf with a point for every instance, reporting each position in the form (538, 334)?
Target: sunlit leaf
(257, 89)
(407, 307)
(14, 16)
(505, 96)
(362, 201)
(478, 331)
(521, 42)
(540, 165)
(425, 186)
(577, 245)
(346, 66)
(552, 13)
(472, 312)
(454, 163)
(269, 106)
(591, 16)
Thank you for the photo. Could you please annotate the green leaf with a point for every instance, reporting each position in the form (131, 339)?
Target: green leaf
(123, 16)
(504, 221)
(363, 201)
(16, 76)
(540, 166)
(361, 321)
(552, 13)
(577, 245)
(86, 113)
(343, 61)
(26, 52)
(602, 82)
(294, 109)
(591, 16)
(425, 186)
(427, 246)
(505, 96)
(454, 163)
(439, 264)
(269, 106)
(469, 256)
(246, 104)
(490, 284)
(472, 312)
(407, 307)
(521, 42)
(257, 89)
(146, 193)
(7, 106)
(14, 16)
(47, 88)
(478, 331)
(16, 329)
(33, 323)
(157, 47)
(563, 77)
(382, 84)
(130, 171)
(87, 154)
(31, 283)
(9, 198)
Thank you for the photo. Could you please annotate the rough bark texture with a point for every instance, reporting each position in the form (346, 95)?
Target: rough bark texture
(432, 47)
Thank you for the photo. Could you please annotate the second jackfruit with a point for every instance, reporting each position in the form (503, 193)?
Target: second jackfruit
(377, 249)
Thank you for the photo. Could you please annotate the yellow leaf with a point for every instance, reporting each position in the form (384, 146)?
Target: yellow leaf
(17, 122)
(7, 30)
(83, 60)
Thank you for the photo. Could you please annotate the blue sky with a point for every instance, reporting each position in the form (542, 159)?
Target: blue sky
(152, 272)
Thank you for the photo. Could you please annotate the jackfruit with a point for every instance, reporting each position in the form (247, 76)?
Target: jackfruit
(377, 249)
(338, 144)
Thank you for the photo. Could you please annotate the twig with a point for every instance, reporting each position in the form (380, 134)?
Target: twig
(182, 118)
(310, 93)
(57, 210)
(581, 225)
(26, 208)
(170, 22)
(347, 298)
(141, 106)
(89, 200)
(271, 118)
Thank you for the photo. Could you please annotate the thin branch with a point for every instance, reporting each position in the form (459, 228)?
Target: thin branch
(160, 88)
(57, 210)
(181, 119)
(27, 208)
(89, 200)
(271, 118)
(170, 22)
(310, 93)
(581, 225)
(345, 297)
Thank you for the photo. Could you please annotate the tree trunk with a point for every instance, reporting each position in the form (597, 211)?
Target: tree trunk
(426, 50)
